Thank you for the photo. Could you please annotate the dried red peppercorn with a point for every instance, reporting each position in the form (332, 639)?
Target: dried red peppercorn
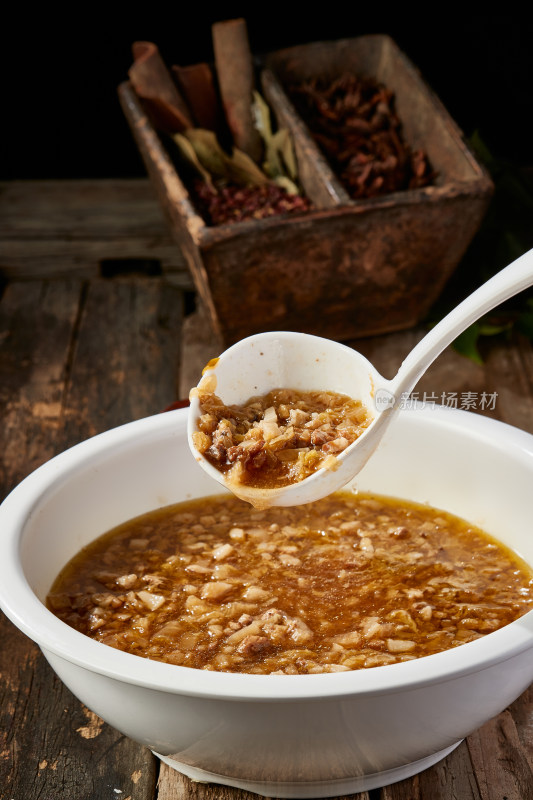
(354, 121)
(233, 203)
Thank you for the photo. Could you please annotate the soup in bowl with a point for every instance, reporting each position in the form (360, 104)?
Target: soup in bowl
(288, 735)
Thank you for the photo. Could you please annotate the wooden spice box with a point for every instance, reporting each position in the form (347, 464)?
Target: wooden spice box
(347, 268)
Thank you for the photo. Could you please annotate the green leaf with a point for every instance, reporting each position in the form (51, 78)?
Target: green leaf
(524, 323)
(481, 150)
(467, 343)
(491, 329)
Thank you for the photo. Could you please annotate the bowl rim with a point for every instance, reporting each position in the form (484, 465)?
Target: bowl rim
(27, 612)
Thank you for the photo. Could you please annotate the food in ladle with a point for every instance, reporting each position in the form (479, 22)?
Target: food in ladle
(279, 438)
(345, 583)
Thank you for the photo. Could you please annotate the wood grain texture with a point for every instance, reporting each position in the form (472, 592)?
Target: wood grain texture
(79, 356)
(450, 779)
(37, 321)
(341, 269)
(57, 748)
(173, 786)
(53, 746)
(125, 359)
(502, 753)
(75, 359)
(52, 229)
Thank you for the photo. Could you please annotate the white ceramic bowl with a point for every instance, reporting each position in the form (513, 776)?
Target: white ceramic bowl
(278, 735)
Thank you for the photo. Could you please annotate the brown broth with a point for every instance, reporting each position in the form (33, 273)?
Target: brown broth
(347, 582)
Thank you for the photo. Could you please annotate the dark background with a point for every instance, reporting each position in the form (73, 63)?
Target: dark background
(62, 119)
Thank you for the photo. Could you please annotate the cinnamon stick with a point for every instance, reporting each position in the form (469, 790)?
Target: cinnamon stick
(197, 85)
(236, 80)
(154, 85)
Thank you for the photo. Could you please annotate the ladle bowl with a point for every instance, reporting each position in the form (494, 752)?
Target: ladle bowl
(285, 359)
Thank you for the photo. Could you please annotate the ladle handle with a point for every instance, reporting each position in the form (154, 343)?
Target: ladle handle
(505, 284)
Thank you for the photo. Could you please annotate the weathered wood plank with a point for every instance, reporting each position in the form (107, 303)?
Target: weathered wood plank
(52, 395)
(200, 344)
(51, 229)
(36, 327)
(522, 711)
(450, 779)
(126, 358)
(502, 753)
(174, 786)
(57, 748)
(510, 367)
(74, 360)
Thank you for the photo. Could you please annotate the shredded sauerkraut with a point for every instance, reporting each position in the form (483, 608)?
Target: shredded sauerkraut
(279, 438)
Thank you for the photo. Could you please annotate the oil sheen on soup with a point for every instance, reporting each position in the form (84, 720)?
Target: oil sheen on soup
(349, 582)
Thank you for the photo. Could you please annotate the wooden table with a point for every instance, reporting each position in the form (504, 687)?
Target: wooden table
(81, 353)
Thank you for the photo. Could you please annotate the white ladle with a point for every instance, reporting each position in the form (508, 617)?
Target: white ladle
(266, 361)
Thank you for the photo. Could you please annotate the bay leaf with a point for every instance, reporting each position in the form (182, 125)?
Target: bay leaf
(280, 159)
(261, 116)
(272, 163)
(236, 167)
(208, 151)
(242, 169)
(282, 142)
(189, 153)
(286, 183)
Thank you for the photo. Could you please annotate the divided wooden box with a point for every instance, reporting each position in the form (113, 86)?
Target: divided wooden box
(347, 268)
